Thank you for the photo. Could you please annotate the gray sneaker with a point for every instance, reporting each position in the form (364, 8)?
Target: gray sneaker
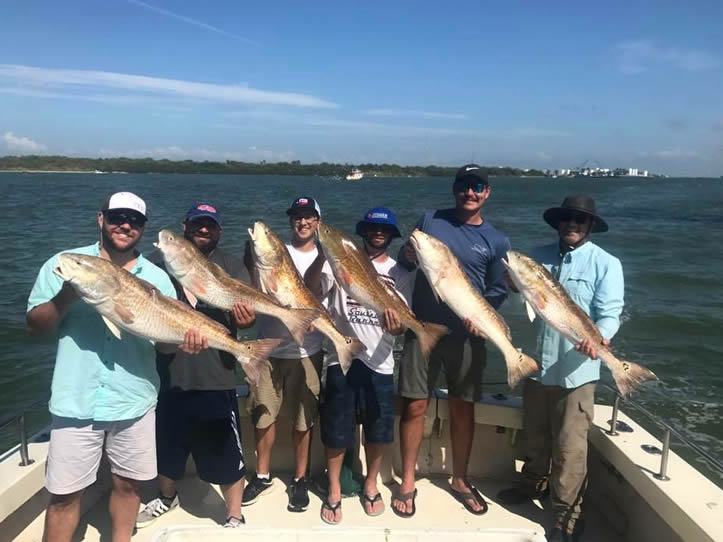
(153, 510)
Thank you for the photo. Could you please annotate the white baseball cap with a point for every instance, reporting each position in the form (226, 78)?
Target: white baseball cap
(125, 200)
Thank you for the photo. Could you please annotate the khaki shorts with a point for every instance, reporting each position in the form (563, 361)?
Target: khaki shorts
(461, 359)
(76, 447)
(295, 383)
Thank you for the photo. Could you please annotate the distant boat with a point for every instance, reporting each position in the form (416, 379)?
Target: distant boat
(355, 175)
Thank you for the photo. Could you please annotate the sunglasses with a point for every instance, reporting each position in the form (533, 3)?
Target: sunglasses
(116, 218)
(577, 218)
(308, 218)
(477, 188)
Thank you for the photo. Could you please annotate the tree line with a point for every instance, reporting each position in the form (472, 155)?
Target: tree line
(232, 167)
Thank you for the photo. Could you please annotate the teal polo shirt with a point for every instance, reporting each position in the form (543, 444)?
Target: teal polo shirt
(98, 377)
(594, 280)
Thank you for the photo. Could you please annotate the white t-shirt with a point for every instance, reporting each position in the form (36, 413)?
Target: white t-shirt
(351, 318)
(270, 327)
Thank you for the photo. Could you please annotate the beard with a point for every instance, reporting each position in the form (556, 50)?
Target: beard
(108, 242)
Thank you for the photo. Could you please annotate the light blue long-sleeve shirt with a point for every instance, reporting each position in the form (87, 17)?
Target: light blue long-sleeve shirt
(594, 280)
(98, 377)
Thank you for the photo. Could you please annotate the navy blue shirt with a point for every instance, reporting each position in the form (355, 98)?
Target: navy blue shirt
(479, 250)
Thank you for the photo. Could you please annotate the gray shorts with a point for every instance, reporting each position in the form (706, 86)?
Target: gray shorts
(462, 358)
(76, 447)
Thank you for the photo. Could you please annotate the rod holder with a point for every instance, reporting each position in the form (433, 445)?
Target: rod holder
(24, 456)
(613, 432)
(663, 474)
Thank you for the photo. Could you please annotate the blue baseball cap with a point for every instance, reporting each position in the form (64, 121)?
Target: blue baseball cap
(202, 209)
(379, 215)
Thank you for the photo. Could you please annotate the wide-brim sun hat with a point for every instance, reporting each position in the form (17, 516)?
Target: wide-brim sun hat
(379, 215)
(581, 204)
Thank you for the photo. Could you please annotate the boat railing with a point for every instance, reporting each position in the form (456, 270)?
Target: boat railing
(617, 427)
(18, 416)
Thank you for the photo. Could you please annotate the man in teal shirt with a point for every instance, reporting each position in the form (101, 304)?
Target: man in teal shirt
(558, 404)
(104, 389)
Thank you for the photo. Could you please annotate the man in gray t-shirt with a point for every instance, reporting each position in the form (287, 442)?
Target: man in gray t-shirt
(197, 410)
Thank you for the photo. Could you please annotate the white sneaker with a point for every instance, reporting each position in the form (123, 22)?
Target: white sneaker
(153, 510)
(234, 523)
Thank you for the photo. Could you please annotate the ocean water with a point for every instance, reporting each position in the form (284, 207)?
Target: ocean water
(668, 233)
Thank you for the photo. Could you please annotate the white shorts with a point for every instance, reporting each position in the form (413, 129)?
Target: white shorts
(76, 447)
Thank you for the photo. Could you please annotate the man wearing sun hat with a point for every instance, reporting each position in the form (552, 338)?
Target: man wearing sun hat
(368, 386)
(197, 411)
(558, 404)
(104, 389)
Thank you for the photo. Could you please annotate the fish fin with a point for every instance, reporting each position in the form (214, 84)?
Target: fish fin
(254, 357)
(628, 376)
(429, 336)
(540, 300)
(124, 313)
(269, 284)
(519, 367)
(347, 350)
(299, 321)
(112, 327)
(198, 285)
(530, 311)
(192, 299)
(346, 277)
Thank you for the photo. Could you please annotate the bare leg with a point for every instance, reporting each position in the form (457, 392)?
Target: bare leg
(232, 494)
(302, 441)
(62, 516)
(374, 454)
(461, 414)
(264, 443)
(124, 502)
(411, 429)
(167, 486)
(334, 461)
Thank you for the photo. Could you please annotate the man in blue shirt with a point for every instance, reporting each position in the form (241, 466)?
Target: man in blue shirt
(559, 403)
(104, 389)
(479, 247)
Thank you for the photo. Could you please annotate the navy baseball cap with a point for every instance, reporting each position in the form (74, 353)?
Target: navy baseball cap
(471, 172)
(304, 203)
(379, 215)
(202, 209)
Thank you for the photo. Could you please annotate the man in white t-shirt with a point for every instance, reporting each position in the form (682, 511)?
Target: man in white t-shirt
(293, 376)
(367, 391)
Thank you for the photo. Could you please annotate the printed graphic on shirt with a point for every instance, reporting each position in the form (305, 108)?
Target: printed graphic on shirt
(357, 314)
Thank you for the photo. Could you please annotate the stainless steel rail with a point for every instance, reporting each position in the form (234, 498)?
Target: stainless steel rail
(19, 416)
(662, 474)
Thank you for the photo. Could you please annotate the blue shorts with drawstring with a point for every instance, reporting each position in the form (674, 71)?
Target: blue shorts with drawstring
(362, 396)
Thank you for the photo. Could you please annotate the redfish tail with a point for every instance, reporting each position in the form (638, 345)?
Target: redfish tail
(628, 376)
(254, 357)
(519, 367)
(429, 335)
(299, 321)
(347, 349)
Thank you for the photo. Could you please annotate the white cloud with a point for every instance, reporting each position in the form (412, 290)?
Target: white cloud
(641, 55)
(675, 153)
(22, 144)
(70, 82)
(191, 21)
(414, 113)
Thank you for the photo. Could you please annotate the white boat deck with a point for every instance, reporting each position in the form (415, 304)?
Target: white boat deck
(203, 506)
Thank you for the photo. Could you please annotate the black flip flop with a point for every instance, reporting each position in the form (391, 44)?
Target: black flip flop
(366, 499)
(465, 496)
(325, 505)
(405, 497)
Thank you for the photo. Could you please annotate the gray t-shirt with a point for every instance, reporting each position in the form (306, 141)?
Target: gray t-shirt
(211, 369)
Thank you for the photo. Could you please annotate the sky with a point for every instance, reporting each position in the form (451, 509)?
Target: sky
(517, 83)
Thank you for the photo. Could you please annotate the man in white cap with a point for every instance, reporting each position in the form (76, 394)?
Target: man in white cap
(104, 389)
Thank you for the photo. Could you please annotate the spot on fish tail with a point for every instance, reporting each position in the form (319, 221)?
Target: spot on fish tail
(626, 366)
